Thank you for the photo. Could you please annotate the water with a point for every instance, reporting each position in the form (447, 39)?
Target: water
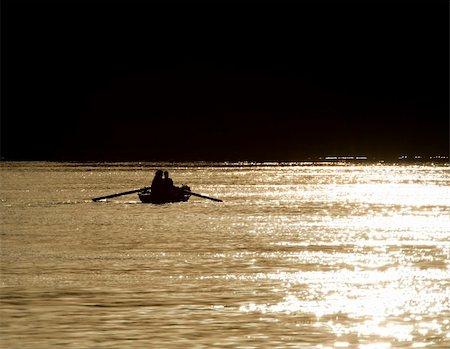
(300, 256)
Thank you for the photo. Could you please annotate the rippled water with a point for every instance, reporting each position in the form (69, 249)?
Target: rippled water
(299, 256)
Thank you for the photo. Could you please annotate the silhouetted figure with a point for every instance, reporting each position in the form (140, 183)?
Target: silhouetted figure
(158, 183)
(168, 182)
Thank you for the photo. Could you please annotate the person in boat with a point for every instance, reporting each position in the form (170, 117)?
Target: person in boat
(168, 182)
(169, 188)
(157, 186)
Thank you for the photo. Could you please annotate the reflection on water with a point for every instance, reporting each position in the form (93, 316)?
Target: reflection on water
(302, 256)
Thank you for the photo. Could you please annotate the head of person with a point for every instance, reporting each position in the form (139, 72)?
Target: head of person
(166, 174)
(158, 173)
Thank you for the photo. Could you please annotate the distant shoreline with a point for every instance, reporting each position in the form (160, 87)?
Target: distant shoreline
(234, 163)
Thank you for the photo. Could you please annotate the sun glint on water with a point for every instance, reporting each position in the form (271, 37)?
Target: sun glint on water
(299, 256)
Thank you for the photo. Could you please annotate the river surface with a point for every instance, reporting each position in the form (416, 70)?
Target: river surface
(296, 256)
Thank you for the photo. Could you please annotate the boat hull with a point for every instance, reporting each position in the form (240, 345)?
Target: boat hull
(175, 195)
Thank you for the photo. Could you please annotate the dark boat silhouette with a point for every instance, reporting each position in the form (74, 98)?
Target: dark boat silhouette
(176, 194)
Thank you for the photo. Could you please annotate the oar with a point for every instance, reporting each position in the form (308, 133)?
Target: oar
(202, 196)
(119, 194)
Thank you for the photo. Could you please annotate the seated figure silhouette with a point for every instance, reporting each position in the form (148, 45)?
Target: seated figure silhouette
(168, 182)
(157, 186)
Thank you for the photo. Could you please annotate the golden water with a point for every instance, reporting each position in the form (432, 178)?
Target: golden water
(299, 256)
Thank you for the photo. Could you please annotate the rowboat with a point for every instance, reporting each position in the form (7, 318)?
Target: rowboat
(176, 194)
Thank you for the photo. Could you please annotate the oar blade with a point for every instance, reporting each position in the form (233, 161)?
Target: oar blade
(202, 196)
(100, 198)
